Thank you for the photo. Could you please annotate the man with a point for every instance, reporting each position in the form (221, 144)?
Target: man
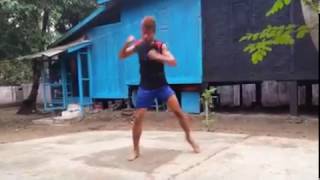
(153, 55)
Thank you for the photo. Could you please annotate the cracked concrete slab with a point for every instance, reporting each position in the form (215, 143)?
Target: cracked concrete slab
(165, 155)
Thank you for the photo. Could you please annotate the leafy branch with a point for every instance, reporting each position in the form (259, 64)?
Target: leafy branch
(263, 41)
(281, 4)
(278, 6)
(313, 4)
(15, 72)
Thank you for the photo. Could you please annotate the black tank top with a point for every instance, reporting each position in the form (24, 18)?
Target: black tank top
(152, 73)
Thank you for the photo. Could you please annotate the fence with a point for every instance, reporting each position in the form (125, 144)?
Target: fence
(16, 94)
(273, 94)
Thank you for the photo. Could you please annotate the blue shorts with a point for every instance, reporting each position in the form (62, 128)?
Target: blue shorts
(146, 98)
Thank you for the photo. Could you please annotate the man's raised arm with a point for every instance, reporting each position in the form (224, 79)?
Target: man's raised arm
(166, 57)
(128, 49)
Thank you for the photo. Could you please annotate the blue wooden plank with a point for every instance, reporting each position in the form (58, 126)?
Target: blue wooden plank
(102, 1)
(78, 47)
(80, 81)
(108, 75)
(190, 102)
(90, 73)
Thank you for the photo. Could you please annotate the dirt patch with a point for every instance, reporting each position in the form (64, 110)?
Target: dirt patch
(117, 159)
(18, 128)
(76, 140)
(9, 117)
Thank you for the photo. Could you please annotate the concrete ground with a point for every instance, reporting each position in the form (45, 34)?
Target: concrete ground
(102, 155)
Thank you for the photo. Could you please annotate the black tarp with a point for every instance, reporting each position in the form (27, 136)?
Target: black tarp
(224, 22)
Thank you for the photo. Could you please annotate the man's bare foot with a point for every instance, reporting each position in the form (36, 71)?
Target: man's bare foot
(196, 148)
(133, 156)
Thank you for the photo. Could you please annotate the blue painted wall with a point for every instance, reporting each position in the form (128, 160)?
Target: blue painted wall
(179, 26)
(190, 102)
(108, 72)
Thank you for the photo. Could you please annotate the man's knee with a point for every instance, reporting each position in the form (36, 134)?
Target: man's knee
(138, 116)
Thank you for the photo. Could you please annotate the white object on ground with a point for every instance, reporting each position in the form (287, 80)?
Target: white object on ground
(73, 111)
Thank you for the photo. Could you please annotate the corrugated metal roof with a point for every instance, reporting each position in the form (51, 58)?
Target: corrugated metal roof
(56, 51)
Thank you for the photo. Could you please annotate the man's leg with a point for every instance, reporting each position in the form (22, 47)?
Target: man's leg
(174, 106)
(136, 133)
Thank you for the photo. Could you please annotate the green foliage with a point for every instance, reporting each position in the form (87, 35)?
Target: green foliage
(22, 22)
(313, 4)
(19, 32)
(71, 13)
(278, 5)
(207, 96)
(15, 72)
(207, 101)
(263, 42)
(24, 29)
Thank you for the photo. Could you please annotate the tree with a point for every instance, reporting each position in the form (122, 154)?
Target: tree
(29, 26)
(19, 30)
(15, 72)
(70, 14)
(261, 43)
(29, 105)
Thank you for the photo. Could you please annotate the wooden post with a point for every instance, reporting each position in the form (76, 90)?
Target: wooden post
(80, 82)
(44, 83)
(241, 96)
(293, 94)
(309, 95)
(157, 104)
(258, 94)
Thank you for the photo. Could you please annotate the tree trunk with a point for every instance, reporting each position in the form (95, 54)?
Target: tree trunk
(45, 20)
(312, 20)
(29, 105)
